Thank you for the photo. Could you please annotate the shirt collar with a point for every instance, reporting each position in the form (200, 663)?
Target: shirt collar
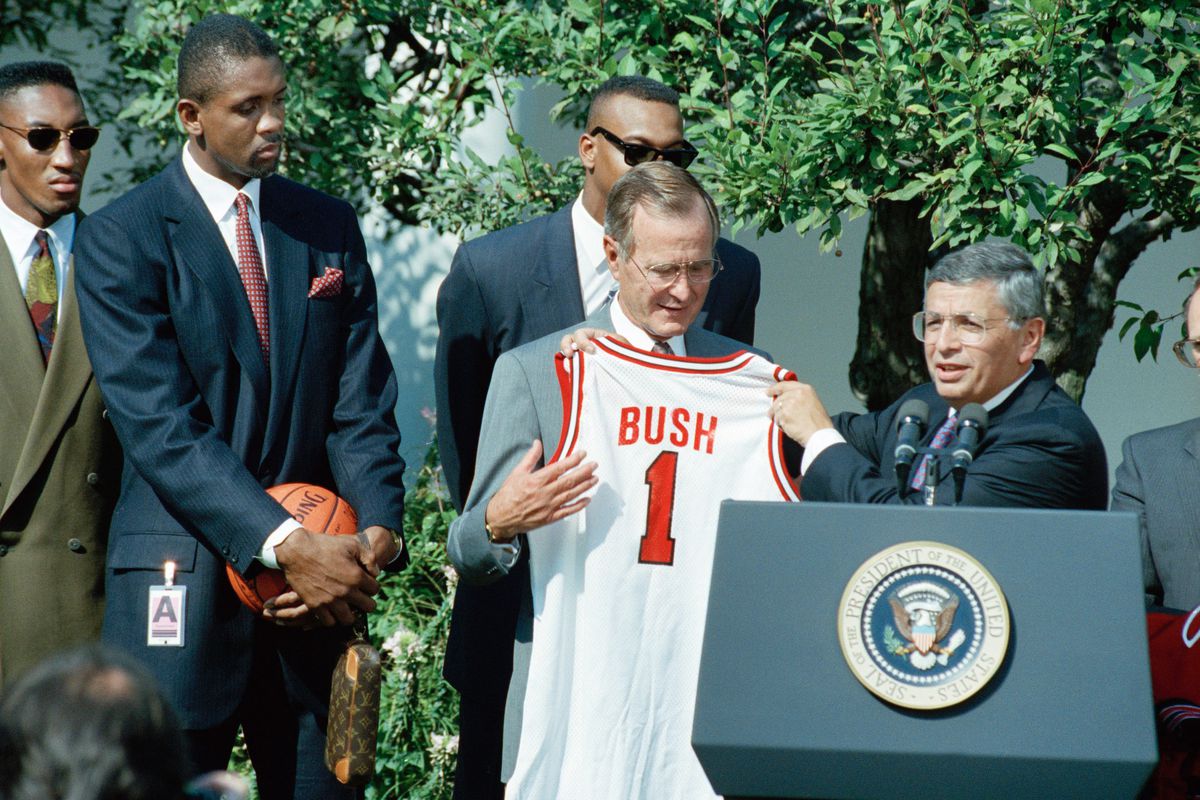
(217, 195)
(18, 234)
(636, 335)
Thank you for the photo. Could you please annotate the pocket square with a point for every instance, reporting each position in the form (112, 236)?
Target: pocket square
(327, 285)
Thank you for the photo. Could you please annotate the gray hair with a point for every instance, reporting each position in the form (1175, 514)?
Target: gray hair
(1007, 266)
(659, 188)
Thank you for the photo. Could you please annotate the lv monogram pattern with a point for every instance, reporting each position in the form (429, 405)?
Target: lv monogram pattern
(940, 439)
(254, 278)
(41, 295)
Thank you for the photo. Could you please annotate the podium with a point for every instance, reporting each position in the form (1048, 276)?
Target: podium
(1068, 713)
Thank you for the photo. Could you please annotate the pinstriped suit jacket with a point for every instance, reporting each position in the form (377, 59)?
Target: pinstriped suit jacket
(207, 424)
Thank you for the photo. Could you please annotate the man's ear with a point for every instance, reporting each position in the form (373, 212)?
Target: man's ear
(189, 117)
(1031, 339)
(587, 152)
(610, 252)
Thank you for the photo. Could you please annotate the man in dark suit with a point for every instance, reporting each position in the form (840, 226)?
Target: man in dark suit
(663, 215)
(982, 326)
(1157, 479)
(231, 318)
(516, 285)
(60, 464)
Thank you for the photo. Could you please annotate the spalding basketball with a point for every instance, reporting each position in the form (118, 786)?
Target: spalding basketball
(318, 510)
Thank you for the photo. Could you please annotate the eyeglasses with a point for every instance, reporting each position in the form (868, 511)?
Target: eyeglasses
(641, 153)
(42, 139)
(971, 328)
(662, 276)
(1188, 352)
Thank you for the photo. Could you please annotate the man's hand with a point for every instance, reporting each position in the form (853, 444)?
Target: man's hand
(332, 576)
(797, 410)
(530, 498)
(383, 548)
(581, 339)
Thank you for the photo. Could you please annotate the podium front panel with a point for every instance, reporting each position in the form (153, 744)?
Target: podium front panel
(1069, 713)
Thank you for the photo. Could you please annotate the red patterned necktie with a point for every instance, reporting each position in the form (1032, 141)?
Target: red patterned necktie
(662, 347)
(940, 440)
(41, 295)
(254, 279)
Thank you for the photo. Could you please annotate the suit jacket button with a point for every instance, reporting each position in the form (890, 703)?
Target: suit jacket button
(75, 546)
(93, 479)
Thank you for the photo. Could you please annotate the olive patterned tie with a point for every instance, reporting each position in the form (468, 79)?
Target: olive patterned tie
(41, 295)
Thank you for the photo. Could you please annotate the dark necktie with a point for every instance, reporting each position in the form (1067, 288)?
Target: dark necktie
(254, 279)
(41, 295)
(940, 440)
(662, 347)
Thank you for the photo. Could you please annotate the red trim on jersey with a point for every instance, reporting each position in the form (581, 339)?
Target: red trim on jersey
(686, 365)
(783, 479)
(570, 388)
(782, 374)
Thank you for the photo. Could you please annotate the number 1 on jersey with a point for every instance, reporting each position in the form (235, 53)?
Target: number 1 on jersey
(658, 546)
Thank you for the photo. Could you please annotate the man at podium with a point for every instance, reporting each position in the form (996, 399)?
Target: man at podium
(982, 326)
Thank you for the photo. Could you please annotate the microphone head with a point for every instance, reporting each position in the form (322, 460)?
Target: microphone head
(974, 415)
(916, 411)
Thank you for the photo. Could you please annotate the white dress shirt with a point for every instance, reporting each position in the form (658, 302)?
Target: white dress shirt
(18, 234)
(595, 280)
(219, 198)
(826, 437)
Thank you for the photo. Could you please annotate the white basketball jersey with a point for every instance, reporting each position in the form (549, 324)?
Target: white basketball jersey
(620, 590)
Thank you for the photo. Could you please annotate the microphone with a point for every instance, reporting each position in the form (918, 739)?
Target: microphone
(913, 417)
(972, 424)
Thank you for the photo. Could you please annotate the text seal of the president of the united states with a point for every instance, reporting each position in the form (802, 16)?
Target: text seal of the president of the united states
(923, 625)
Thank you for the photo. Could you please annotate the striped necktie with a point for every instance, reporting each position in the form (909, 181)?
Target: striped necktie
(41, 295)
(662, 347)
(940, 440)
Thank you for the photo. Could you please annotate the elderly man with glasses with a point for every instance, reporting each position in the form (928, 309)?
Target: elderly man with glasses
(982, 326)
(1157, 479)
(513, 286)
(660, 231)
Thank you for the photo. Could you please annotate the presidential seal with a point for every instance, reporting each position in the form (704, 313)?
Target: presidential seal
(923, 625)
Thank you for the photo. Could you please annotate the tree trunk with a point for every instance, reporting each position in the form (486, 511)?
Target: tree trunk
(888, 360)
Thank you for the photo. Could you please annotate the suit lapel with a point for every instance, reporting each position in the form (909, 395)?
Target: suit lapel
(67, 376)
(287, 286)
(21, 375)
(553, 300)
(203, 251)
(1189, 499)
(21, 368)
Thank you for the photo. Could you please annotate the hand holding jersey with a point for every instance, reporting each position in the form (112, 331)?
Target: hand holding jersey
(531, 497)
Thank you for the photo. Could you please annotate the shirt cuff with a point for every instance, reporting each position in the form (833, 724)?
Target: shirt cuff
(507, 553)
(817, 444)
(267, 554)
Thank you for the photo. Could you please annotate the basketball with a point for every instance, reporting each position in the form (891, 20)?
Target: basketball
(318, 510)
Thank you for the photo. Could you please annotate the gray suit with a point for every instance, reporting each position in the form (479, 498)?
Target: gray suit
(1159, 478)
(524, 403)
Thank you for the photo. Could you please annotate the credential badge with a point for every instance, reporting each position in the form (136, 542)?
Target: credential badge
(923, 625)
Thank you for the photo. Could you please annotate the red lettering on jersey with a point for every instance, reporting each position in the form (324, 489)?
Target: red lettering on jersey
(708, 434)
(679, 419)
(652, 427)
(629, 425)
(653, 435)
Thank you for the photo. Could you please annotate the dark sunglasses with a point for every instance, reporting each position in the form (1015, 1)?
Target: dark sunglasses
(641, 153)
(48, 138)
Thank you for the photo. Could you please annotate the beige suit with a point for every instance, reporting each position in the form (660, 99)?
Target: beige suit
(60, 469)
